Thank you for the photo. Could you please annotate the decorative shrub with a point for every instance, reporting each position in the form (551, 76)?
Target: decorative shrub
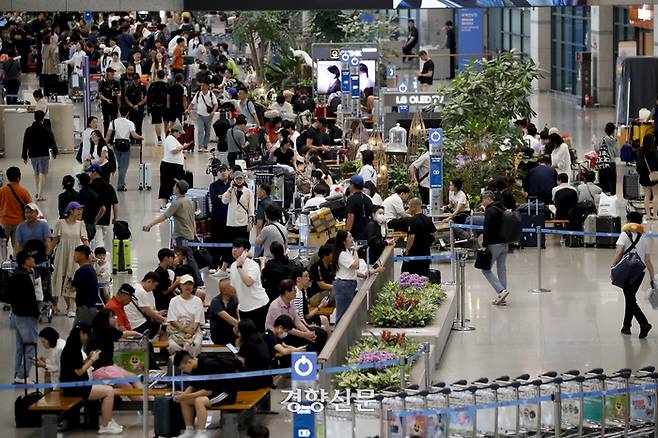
(411, 302)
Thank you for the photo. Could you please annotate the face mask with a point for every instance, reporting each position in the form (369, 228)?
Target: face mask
(380, 218)
(283, 335)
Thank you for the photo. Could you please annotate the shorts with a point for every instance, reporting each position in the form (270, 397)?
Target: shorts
(221, 398)
(40, 164)
(172, 114)
(157, 115)
(109, 372)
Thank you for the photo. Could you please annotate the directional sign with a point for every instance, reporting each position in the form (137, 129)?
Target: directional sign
(435, 136)
(403, 87)
(345, 81)
(390, 72)
(304, 367)
(356, 91)
(436, 172)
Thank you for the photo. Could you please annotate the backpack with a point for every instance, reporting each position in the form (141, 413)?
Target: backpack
(157, 95)
(111, 160)
(511, 228)
(627, 153)
(260, 112)
(630, 267)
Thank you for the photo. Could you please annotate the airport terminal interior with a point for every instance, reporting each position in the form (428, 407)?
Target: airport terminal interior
(357, 107)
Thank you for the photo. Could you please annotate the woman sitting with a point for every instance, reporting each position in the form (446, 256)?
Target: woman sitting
(74, 366)
(185, 316)
(53, 346)
(276, 269)
(104, 335)
(254, 354)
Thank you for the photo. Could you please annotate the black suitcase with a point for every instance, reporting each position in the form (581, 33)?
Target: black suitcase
(22, 414)
(631, 187)
(62, 88)
(607, 224)
(221, 127)
(189, 177)
(532, 215)
(167, 417)
(338, 206)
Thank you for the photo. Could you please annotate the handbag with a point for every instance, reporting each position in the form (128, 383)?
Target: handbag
(653, 298)
(653, 174)
(629, 268)
(483, 259)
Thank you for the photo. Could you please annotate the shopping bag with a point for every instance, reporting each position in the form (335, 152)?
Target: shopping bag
(653, 298)
(608, 205)
(483, 259)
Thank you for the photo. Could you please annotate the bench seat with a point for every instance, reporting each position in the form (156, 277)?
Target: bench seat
(55, 401)
(245, 400)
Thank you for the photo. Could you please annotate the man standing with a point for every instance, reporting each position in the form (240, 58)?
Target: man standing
(33, 233)
(426, 75)
(85, 284)
(109, 205)
(412, 40)
(394, 212)
(125, 41)
(182, 210)
(273, 231)
(236, 139)
(493, 220)
(206, 107)
(13, 199)
(109, 92)
(359, 209)
(240, 201)
(218, 212)
(135, 100)
(264, 200)
(245, 277)
(24, 314)
(247, 108)
(419, 172)
(38, 143)
(177, 57)
(156, 98)
(451, 44)
(94, 209)
(419, 241)
(123, 130)
(177, 102)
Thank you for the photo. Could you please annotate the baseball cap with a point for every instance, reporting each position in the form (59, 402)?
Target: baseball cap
(94, 168)
(238, 174)
(73, 205)
(32, 206)
(177, 127)
(187, 278)
(232, 90)
(357, 180)
(182, 185)
(222, 166)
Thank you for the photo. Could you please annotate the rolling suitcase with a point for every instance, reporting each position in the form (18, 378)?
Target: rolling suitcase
(532, 215)
(22, 414)
(189, 177)
(607, 224)
(167, 417)
(121, 256)
(632, 190)
(589, 226)
(144, 172)
(201, 204)
(6, 270)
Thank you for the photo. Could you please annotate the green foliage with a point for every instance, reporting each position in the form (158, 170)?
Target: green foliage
(374, 378)
(398, 174)
(356, 30)
(325, 26)
(286, 73)
(480, 106)
(409, 307)
(350, 167)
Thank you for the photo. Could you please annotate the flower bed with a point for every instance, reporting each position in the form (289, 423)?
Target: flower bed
(375, 349)
(410, 302)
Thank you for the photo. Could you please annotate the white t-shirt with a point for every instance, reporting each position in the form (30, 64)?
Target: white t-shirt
(201, 100)
(561, 158)
(142, 299)
(52, 357)
(345, 270)
(118, 67)
(459, 198)
(369, 174)
(642, 247)
(422, 164)
(169, 156)
(315, 201)
(181, 309)
(86, 144)
(393, 207)
(97, 158)
(249, 297)
(533, 143)
(122, 128)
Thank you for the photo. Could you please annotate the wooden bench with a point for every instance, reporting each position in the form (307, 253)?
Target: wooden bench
(557, 223)
(244, 405)
(55, 401)
(205, 347)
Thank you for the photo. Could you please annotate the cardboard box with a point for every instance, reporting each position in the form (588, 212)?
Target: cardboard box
(322, 220)
(320, 238)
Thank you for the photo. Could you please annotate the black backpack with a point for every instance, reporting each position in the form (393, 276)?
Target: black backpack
(111, 159)
(260, 112)
(157, 95)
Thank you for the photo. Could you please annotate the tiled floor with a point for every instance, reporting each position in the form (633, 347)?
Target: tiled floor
(575, 326)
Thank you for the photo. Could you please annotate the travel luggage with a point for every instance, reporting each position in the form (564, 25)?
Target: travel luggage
(121, 256)
(574, 241)
(338, 206)
(144, 173)
(607, 224)
(167, 417)
(221, 127)
(22, 414)
(532, 215)
(6, 270)
(589, 226)
(121, 230)
(188, 134)
(201, 202)
(189, 177)
(632, 190)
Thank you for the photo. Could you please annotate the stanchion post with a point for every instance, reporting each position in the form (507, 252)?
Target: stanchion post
(145, 388)
(539, 289)
(426, 353)
(460, 325)
(453, 262)
(403, 372)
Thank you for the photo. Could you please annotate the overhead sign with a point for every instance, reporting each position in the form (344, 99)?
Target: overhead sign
(390, 72)
(435, 136)
(469, 26)
(436, 172)
(403, 108)
(345, 81)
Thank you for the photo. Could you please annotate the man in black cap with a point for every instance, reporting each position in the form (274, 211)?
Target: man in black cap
(218, 213)
(109, 92)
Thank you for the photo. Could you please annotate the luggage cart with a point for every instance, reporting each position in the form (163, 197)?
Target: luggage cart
(438, 397)
(391, 424)
(463, 423)
(338, 417)
(643, 403)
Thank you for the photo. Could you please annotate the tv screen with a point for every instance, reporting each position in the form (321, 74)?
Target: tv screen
(329, 75)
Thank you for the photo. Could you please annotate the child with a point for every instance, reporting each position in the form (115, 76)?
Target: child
(103, 273)
(53, 346)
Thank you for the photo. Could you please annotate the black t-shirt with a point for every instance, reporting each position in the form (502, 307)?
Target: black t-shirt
(218, 210)
(176, 95)
(316, 135)
(89, 199)
(284, 157)
(320, 272)
(275, 270)
(107, 197)
(257, 357)
(422, 228)
(565, 200)
(209, 364)
(104, 340)
(271, 341)
(71, 360)
(361, 207)
(221, 332)
(427, 67)
(414, 33)
(135, 93)
(157, 94)
(85, 282)
(109, 89)
(162, 300)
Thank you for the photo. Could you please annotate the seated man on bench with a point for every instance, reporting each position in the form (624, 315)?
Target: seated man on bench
(203, 395)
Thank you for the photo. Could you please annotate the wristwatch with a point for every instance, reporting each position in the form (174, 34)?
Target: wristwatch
(239, 266)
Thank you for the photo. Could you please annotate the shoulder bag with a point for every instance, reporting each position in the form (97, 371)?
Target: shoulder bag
(20, 201)
(120, 144)
(653, 174)
(630, 267)
(483, 259)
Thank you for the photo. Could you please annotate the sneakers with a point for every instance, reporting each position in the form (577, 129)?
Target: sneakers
(21, 381)
(625, 331)
(644, 330)
(112, 428)
(220, 274)
(202, 434)
(71, 314)
(500, 298)
(188, 433)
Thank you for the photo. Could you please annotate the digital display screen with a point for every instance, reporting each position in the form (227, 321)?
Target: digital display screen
(329, 75)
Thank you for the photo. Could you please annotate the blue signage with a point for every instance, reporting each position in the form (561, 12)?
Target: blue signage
(356, 91)
(436, 172)
(469, 26)
(304, 422)
(435, 136)
(304, 366)
(345, 81)
(390, 72)
(403, 87)
(403, 108)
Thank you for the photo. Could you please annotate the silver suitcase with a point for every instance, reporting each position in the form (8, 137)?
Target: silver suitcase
(589, 226)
